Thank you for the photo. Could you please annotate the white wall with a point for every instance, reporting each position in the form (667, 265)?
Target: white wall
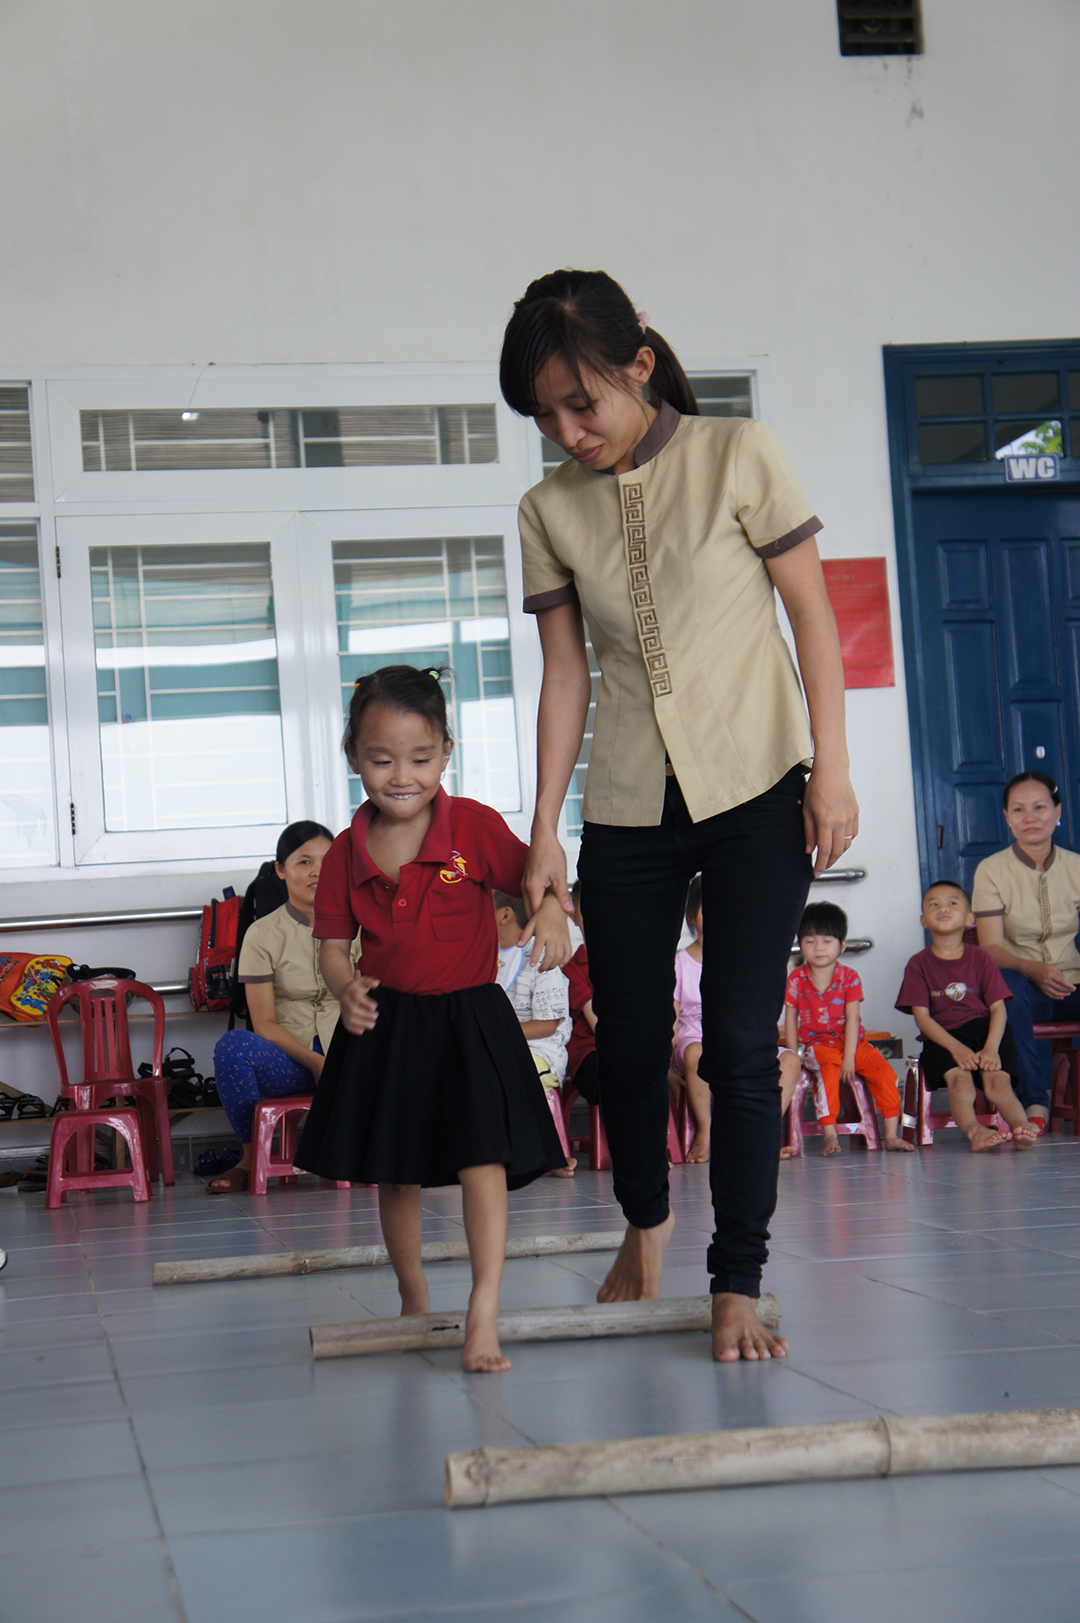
(253, 181)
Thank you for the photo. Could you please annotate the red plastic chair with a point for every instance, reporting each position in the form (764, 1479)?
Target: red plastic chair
(1065, 1098)
(269, 1114)
(919, 1123)
(595, 1141)
(107, 1068)
(864, 1126)
(72, 1140)
(555, 1106)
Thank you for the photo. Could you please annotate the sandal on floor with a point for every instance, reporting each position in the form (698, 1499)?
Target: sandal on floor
(233, 1182)
(7, 1105)
(1039, 1123)
(28, 1107)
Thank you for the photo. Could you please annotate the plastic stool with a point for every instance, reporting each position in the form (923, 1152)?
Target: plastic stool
(865, 1127)
(596, 1139)
(555, 1106)
(1065, 1093)
(919, 1123)
(72, 1138)
(268, 1114)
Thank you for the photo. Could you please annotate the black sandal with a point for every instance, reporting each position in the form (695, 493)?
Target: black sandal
(28, 1107)
(7, 1105)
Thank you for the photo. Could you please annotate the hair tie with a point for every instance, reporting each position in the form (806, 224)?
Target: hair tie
(433, 673)
(643, 320)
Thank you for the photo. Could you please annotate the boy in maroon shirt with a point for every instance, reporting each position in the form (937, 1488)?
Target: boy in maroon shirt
(957, 995)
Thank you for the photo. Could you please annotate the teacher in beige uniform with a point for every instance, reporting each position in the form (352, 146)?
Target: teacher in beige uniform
(666, 533)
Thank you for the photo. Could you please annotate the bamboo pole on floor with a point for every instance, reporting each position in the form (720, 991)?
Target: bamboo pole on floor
(420, 1332)
(887, 1446)
(210, 1269)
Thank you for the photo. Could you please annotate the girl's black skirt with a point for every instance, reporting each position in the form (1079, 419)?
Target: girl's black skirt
(441, 1081)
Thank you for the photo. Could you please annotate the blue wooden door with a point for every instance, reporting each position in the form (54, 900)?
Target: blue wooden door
(998, 599)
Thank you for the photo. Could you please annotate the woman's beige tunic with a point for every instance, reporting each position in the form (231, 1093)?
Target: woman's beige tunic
(668, 565)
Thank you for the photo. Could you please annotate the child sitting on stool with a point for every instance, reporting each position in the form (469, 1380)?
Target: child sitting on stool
(957, 995)
(581, 1064)
(541, 999)
(823, 1002)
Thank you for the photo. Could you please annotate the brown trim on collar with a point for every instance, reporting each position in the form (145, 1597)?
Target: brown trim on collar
(773, 549)
(549, 600)
(655, 438)
(295, 913)
(1021, 856)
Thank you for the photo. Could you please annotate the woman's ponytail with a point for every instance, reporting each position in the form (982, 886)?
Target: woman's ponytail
(669, 382)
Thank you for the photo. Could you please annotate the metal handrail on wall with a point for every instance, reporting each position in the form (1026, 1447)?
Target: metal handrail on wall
(81, 921)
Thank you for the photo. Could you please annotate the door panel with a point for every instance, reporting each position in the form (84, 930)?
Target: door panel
(998, 583)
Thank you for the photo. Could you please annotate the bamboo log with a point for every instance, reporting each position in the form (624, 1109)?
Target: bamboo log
(887, 1446)
(419, 1332)
(209, 1269)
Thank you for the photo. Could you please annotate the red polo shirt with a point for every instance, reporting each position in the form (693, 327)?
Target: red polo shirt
(433, 931)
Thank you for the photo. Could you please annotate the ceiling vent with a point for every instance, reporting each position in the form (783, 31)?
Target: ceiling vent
(879, 27)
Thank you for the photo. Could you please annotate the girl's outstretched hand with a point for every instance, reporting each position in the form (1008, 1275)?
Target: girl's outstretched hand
(550, 936)
(545, 870)
(830, 815)
(358, 1011)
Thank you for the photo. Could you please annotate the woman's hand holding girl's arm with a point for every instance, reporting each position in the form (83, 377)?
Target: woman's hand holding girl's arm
(560, 727)
(830, 810)
(358, 1011)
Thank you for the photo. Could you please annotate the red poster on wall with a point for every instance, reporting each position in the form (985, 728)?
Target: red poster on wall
(859, 593)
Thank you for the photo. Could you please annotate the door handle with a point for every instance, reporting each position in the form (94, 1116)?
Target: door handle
(941, 836)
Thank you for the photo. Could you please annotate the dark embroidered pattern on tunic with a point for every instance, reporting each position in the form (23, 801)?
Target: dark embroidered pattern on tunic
(641, 595)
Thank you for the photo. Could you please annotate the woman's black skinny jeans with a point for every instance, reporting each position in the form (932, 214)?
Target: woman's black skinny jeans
(755, 875)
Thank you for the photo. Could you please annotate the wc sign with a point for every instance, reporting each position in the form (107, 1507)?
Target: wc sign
(1030, 469)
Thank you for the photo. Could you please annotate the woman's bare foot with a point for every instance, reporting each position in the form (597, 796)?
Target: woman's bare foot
(699, 1149)
(563, 1172)
(634, 1276)
(985, 1138)
(832, 1142)
(895, 1142)
(737, 1332)
(481, 1354)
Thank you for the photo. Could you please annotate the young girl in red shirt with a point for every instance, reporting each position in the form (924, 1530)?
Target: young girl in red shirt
(428, 1079)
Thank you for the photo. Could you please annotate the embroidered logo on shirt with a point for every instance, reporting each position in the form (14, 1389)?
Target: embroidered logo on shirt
(454, 875)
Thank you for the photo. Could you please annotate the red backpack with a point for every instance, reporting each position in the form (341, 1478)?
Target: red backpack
(210, 977)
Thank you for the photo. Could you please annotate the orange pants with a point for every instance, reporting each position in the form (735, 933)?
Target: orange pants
(871, 1066)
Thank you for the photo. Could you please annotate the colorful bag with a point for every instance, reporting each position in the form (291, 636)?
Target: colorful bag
(28, 983)
(210, 977)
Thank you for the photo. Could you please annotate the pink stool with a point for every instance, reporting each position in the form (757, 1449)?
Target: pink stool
(918, 1123)
(865, 1127)
(269, 1114)
(595, 1142)
(72, 1138)
(555, 1106)
(1065, 1098)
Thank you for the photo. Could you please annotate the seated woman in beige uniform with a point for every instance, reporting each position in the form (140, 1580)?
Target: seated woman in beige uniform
(292, 1011)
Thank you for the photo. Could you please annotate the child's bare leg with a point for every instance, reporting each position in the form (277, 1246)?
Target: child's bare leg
(832, 1140)
(997, 1085)
(962, 1105)
(789, 1081)
(893, 1141)
(700, 1096)
(400, 1216)
(483, 1196)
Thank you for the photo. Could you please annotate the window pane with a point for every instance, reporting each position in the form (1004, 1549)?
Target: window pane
(1074, 424)
(1026, 391)
(438, 602)
(1074, 389)
(27, 825)
(187, 686)
(330, 437)
(16, 461)
(949, 397)
(1010, 439)
(723, 396)
(953, 442)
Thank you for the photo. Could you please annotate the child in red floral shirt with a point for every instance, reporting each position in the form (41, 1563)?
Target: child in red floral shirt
(822, 1007)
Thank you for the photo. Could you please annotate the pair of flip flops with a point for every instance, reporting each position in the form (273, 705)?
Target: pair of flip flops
(23, 1107)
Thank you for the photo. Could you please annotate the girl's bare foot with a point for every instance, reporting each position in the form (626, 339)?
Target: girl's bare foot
(563, 1172)
(737, 1332)
(832, 1142)
(985, 1138)
(787, 1153)
(481, 1354)
(1025, 1137)
(634, 1276)
(898, 1143)
(699, 1149)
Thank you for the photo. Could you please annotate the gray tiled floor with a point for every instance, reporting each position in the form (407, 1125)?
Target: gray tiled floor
(174, 1456)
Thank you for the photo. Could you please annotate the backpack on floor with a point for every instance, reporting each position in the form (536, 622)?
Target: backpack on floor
(264, 895)
(210, 977)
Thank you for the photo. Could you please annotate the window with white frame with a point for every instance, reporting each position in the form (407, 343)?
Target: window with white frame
(27, 817)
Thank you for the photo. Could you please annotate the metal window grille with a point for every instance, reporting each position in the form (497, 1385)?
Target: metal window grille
(188, 702)
(337, 437)
(27, 817)
(16, 458)
(880, 27)
(430, 603)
